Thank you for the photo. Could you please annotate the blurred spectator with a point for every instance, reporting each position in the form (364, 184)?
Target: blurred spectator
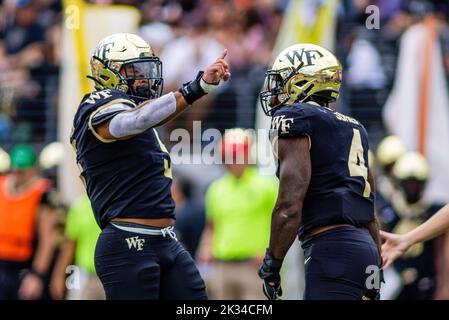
(417, 268)
(157, 34)
(81, 234)
(30, 48)
(249, 36)
(27, 228)
(22, 41)
(190, 218)
(26, 54)
(5, 161)
(364, 69)
(5, 128)
(184, 55)
(238, 209)
(187, 54)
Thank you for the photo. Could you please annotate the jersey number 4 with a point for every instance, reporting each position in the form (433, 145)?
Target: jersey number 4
(356, 161)
(167, 167)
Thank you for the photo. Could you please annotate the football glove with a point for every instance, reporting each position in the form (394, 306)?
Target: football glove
(269, 273)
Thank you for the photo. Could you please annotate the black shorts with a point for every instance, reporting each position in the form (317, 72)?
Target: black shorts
(338, 264)
(133, 265)
(11, 279)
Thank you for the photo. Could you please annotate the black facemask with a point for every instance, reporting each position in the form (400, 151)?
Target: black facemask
(413, 189)
(148, 73)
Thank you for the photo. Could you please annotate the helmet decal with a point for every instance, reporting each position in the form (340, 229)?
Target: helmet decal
(307, 57)
(301, 73)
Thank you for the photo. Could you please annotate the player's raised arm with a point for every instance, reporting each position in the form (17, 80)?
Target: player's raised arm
(295, 172)
(153, 113)
(396, 245)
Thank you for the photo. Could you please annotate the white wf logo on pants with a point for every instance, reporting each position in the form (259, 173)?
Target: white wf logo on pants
(135, 243)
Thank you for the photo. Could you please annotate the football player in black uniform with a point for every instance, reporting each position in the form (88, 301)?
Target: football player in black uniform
(388, 151)
(126, 170)
(326, 190)
(405, 211)
(396, 245)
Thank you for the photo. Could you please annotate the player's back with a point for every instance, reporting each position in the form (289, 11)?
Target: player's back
(127, 178)
(339, 191)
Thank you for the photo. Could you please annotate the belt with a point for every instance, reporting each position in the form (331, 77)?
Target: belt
(164, 232)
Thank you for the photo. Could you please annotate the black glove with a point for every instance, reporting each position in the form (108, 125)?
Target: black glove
(269, 273)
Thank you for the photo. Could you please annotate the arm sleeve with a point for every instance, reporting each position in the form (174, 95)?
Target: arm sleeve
(109, 112)
(148, 115)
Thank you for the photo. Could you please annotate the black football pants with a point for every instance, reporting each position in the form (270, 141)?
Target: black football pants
(340, 264)
(133, 265)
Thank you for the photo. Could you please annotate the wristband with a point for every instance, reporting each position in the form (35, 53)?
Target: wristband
(192, 91)
(209, 87)
(36, 273)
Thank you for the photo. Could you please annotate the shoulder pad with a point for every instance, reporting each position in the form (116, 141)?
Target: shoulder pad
(101, 97)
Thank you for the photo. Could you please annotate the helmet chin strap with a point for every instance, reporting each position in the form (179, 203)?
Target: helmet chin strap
(95, 80)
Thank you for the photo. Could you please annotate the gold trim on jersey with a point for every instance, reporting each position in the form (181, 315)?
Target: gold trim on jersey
(91, 127)
(167, 169)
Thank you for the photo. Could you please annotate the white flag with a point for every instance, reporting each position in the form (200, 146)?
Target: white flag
(420, 98)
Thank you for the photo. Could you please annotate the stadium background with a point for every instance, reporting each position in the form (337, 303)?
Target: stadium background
(45, 44)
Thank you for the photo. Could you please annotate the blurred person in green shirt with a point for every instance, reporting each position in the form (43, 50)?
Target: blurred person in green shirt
(238, 210)
(81, 234)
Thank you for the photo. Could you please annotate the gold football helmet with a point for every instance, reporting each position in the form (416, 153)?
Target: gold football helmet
(125, 62)
(389, 150)
(411, 165)
(301, 73)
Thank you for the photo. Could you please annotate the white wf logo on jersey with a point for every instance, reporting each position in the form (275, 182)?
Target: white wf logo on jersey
(98, 95)
(282, 123)
(135, 243)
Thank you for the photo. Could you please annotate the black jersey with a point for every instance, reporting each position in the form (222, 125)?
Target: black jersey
(399, 217)
(124, 178)
(339, 191)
